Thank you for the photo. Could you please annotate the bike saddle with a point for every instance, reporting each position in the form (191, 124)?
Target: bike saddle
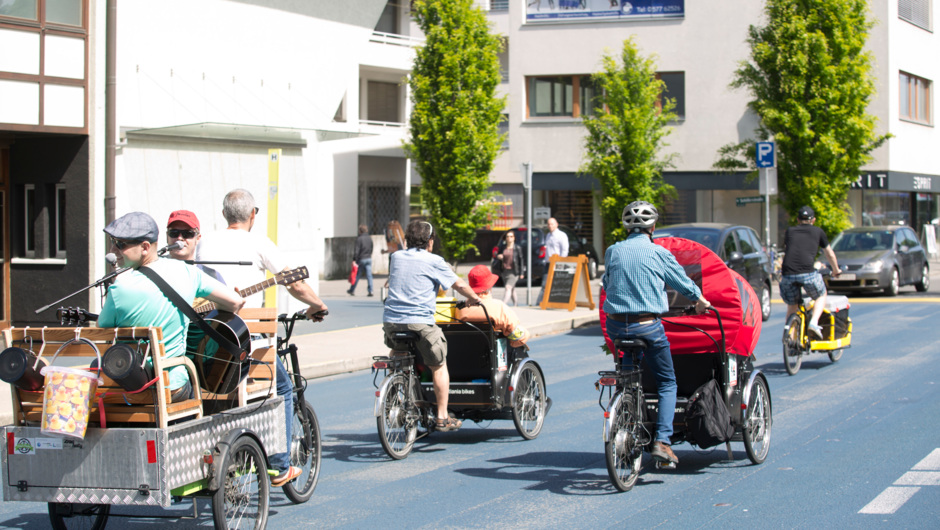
(632, 343)
(405, 336)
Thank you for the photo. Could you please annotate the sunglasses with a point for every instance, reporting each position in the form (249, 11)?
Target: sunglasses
(187, 234)
(121, 244)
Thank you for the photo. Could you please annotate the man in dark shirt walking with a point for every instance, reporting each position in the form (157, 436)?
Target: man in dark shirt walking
(362, 255)
(801, 243)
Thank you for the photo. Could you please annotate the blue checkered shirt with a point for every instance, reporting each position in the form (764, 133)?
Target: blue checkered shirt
(636, 274)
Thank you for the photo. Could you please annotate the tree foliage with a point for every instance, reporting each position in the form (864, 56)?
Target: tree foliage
(625, 136)
(454, 135)
(810, 77)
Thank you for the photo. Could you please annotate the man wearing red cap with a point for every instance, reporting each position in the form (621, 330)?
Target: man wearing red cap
(504, 319)
(183, 225)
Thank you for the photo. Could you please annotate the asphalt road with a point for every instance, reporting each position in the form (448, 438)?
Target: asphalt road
(855, 443)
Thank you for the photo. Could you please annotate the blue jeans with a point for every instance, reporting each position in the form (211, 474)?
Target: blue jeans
(659, 360)
(285, 389)
(365, 267)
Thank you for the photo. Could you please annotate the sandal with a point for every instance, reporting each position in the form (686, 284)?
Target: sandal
(448, 424)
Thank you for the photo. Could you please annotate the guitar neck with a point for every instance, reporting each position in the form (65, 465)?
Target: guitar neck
(245, 293)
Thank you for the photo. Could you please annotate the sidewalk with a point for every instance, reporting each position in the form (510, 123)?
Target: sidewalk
(350, 349)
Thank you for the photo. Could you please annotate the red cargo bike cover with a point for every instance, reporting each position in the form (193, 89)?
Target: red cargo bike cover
(727, 291)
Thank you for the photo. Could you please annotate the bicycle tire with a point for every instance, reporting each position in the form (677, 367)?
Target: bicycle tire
(305, 452)
(624, 455)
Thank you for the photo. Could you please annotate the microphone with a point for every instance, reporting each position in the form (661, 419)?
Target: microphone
(175, 246)
(111, 259)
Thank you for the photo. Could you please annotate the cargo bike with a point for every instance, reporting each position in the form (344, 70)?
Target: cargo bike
(488, 380)
(83, 444)
(721, 396)
(836, 327)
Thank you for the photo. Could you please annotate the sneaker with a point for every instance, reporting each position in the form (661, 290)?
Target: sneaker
(350, 293)
(663, 453)
(286, 476)
(815, 330)
(370, 293)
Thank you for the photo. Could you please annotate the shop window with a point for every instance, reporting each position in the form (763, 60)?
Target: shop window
(915, 98)
(916, 12)
(569, 96)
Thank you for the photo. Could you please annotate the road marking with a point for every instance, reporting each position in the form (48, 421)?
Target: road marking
(930, 299)
(924, 473)
(889, 500)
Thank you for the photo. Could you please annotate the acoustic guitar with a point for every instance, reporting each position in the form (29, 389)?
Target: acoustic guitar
(281, 278)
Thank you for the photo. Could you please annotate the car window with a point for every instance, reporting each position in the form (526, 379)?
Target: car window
(755, 240)
(910, 238)
(730, 246)
(744, 241)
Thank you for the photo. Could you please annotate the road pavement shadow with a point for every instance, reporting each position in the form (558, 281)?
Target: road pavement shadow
(353, 447)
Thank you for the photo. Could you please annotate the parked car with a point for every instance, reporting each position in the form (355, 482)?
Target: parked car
(576, 247)
(879, 258)
(738, 246)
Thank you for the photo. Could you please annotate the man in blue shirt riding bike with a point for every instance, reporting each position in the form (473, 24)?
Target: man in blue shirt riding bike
(637, 272)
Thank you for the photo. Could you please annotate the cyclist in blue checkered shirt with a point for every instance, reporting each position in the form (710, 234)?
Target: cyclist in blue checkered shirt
(635, 278)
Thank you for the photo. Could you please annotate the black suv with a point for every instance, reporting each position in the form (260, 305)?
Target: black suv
(576, 247)
(738, 246)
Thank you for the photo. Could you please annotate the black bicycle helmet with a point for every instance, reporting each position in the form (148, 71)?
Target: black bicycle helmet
(639, 215)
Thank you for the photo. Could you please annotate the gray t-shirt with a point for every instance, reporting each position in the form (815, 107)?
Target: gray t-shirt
(414, 278)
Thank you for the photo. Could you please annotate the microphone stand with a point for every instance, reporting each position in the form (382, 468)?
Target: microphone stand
(102, 281)
(194, 262)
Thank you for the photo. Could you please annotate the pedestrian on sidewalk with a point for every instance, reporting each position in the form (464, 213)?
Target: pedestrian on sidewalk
(511, 266)
(362, 255)
(556, 244)
(801, 245)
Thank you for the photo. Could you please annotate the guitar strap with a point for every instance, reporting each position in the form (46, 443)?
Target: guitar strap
(191, 313)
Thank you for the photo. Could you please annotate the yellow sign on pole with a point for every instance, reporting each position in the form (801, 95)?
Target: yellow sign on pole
(274, 173)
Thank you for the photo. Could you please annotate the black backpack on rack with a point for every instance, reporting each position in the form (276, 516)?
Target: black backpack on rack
(708, 417)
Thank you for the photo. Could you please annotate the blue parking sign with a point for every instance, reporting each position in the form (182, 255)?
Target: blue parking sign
(765, 154)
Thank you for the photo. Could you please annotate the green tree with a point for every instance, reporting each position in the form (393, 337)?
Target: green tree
(625, 136)
(455, 119)
(811, 80)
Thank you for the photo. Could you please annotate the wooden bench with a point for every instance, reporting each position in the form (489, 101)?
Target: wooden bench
(151, 406)
(262, 378)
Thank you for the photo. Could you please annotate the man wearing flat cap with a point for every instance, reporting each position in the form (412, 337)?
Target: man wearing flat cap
(137, 301)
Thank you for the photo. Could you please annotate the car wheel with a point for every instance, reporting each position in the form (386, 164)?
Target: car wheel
(924, 282)
(894, 285)
(592, 268)
(765, 302)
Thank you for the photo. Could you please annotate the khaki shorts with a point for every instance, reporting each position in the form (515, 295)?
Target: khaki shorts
(432, 345)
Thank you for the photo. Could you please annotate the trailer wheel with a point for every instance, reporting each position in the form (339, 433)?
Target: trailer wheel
(242, 498)
(65, 515)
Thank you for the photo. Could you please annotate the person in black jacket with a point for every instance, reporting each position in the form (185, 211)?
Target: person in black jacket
(362, 255)
(512, 268)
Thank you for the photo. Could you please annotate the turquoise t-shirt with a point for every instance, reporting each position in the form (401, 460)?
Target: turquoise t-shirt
(134, 300)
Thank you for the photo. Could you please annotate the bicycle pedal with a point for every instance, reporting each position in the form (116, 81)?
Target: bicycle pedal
(665, 465)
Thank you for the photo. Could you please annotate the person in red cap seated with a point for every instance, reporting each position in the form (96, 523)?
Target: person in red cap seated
(183, 225)
(504, 319)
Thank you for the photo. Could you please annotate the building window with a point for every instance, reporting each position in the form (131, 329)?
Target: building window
(383, 102)
(916, 12)
(29, 220)
(388, 22)
(915, 98)
(504, 130)
(555, 96)
(58, 12)
(674, 89)
(60, 233)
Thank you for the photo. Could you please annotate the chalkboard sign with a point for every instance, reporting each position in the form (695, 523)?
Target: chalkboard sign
(567, 284)
(562, 282)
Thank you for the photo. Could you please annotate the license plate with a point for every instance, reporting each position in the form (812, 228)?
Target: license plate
(847, 276)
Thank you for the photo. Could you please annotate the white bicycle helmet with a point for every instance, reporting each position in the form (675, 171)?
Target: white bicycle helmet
(639, 215)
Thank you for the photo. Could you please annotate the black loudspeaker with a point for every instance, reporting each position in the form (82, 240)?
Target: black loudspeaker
(16, 368)
(122, 363)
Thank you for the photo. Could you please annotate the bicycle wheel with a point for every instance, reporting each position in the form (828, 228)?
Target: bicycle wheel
(622, 449)
(758, 423)
(528, 404)
(65, 516)
(397, 424)
(305, 452)
(835, 355)
(792, 347)
(242, 499)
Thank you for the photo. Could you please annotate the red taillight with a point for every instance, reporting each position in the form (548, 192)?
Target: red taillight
(380, 365)
(542, 252)
(743, 406)
(495, 251)
(510, 388)
(608, 381)
(207, 457)
(377, 392)
(10, 443)
(151, 451)
(606, 414)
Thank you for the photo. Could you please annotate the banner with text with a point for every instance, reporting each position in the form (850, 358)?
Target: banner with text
(580, 10)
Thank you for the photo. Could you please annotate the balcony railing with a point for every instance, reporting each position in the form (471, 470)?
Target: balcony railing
(383, 124)
(393, 39)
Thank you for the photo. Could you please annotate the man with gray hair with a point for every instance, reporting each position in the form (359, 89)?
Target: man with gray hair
(238, 243)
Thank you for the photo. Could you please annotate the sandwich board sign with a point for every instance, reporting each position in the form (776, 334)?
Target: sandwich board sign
(567, 284)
